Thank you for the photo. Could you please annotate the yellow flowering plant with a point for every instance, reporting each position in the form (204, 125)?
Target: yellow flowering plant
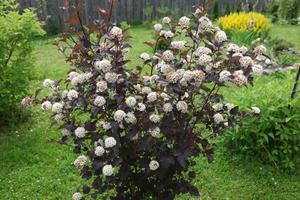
(242, 21)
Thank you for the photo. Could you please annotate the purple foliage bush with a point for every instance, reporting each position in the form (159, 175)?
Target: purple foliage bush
(137, 133)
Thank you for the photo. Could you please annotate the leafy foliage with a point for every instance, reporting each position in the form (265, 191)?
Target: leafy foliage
(272, 138)
(16, 61)
(138, 134)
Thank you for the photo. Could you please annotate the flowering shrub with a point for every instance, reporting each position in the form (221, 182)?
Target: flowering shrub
(251, 21)
(137, 134)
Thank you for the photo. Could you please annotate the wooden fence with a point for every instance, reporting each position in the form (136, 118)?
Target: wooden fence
(133, 11)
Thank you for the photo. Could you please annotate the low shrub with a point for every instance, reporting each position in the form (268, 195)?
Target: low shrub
(274, 137)
(242, 21)
(16, 61)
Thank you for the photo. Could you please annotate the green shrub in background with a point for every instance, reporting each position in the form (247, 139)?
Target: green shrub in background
(288, 9)
(16, 61)
(274, 137)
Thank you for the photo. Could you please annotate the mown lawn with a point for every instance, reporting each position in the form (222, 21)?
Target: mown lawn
(33, 166)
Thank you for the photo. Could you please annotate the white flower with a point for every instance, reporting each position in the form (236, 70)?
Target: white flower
(154, 118)
(167, 56)
(224, 76)
(152, 96)
(157, 27)
(99, 101)
(259, 50)
(205, 59)
(165, 68)
(103, 65)
(146, 90)
(64, 94)
(167, 107)
(218, 107)
(246, 61)
(229, 106)
(220, 36)
(233, 48)
(199, 75)
(106, 125)
(58, 117)
(130, 118)
(154, 78)
(243, 49)
(153, 165)
(146, 80)
(238, 73)
(119, 115)
(182, 106)
(65, 132)
(167, 34)
(110, 142)
(130, 102)
(77, 196)
(80, 162)
(107, 170)
(72, 75)
(116, 33)
(72, 94)
(218, 118)
(240, 80)
(155, 132)
(99, 151)
(255, 110)
(87, 76)
(188, 75)
(204, 24)
(141, 107)
(49, 83)
(145, 56)
(80, 132)
(111, 77)
(77, 80)
(101, 86)
(166, 20)
(46, 105)
(257, 70)
(178, 44)
(202, 51)
(57, 108)
(173, 77)
(184, 22)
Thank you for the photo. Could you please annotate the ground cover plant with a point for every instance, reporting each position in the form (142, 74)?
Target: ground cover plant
(136, 135)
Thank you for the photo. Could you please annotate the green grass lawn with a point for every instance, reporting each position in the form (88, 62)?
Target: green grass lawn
(32, 166)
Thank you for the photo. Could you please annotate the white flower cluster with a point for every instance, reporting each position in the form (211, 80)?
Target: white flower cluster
(107, 170)
(145, 56)
(224, 76)
(119, 115)
(155, 132)
(130, 118)
(103, 65)
(111, 77)
(167, 107)
(80, 132)
(204, 24)
(130, 102)
(110, 142)
(184, 22)
(46, 105)
(72, 94)
(101, 86)
(182, 106)
(166, 20)
(221, 36)
(153, 165)
(205, 60)
(166, 34)
(57, 108)
(99, 151)
(178, 44)
(80, 162)
(158, 27)
(218, 118)
(257, 70)
(81, 78)
(77, 196)
(116, 33)
(259, 50)
(154, 118)
(152, 96)
(255, 110)
(167, 56)
(49, 83)
(202, 51)
(99, 101)
(246, 61)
